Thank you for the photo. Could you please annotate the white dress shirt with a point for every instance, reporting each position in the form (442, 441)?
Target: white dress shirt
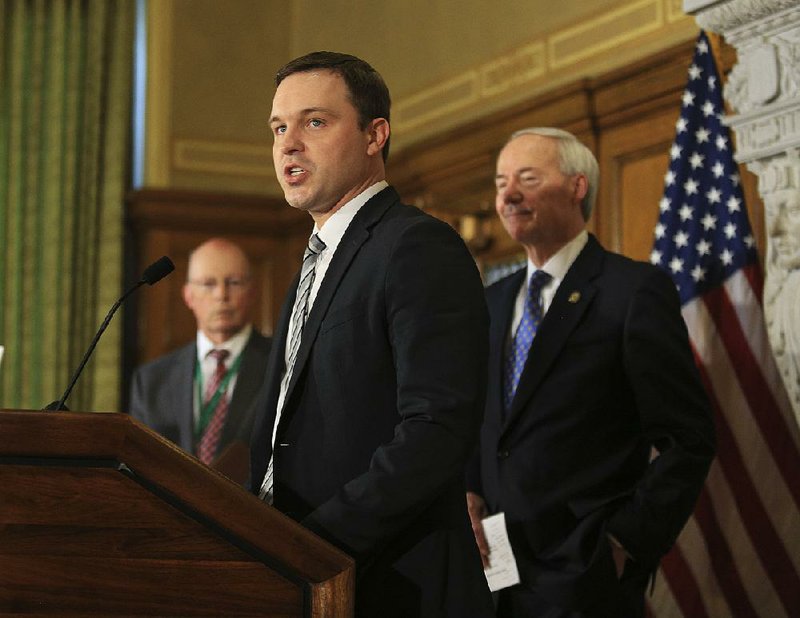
(557, 267)
(208, 364)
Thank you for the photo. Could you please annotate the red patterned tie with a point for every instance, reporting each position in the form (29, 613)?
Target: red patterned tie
(208, 443)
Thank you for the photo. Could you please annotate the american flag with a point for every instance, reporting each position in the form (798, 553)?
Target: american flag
(739, 555)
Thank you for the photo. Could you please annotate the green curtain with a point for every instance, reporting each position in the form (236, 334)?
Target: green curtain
(65, 100)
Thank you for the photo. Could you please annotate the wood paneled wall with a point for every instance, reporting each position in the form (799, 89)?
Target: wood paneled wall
(173, 223)
(626, 117)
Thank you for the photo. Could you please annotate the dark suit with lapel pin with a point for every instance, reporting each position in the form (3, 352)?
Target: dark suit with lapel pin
(610, 374)
(384, 405)
(162, 395)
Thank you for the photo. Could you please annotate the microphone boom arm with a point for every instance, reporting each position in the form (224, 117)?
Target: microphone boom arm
(152, 274)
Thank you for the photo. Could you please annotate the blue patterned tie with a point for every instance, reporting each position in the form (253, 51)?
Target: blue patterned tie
(518, 354)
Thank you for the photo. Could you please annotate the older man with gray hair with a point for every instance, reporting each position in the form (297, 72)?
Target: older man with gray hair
(597, 433)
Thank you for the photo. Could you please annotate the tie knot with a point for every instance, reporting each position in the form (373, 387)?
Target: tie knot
(219, 355)
(538, 280)
(315, 245)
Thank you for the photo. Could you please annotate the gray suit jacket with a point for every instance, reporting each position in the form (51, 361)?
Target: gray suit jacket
(162, 397)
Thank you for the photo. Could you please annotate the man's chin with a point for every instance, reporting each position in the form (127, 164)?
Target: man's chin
(519, 233)
(297, 198)
(225, 331)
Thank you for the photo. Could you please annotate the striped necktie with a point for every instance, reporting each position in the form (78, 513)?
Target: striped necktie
(518, 353)
(300, 313)
(210, 440)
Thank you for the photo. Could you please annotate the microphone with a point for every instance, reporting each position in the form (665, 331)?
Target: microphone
(152, 274)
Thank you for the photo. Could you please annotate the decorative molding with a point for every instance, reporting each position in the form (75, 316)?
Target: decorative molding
(218, 157)
(179, 209)
(437, 101)
(768, 70)
(764, 86)
(522, 66)
(779, 184)
(769, 27)
(692, 6)
(675, 10)
(564, 55)
(453, 172)
(605, 32)
(766, 132)
(726, 16)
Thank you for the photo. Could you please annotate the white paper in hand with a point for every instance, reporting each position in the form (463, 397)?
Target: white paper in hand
(502, 571)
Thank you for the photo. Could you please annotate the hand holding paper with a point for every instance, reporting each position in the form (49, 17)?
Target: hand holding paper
(502, 570)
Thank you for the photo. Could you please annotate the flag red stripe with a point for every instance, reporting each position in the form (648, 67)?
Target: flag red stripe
(685, 590)
(758, 542)
(765, 539)
(765, 409)
(756, 279)
(722, 561)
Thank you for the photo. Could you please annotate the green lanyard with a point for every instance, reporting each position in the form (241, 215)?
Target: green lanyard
(207, 409)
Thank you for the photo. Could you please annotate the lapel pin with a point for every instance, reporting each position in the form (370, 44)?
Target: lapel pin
(574, 297)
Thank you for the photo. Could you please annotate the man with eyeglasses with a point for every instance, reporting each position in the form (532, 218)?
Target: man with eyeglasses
(199, 396)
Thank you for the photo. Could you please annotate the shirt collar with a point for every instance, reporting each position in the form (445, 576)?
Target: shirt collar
(234, 345)
(337, 224)
(558, 265)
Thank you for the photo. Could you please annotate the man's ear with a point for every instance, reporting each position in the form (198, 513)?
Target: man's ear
(581, 187)
(378, 132)
(187, 296)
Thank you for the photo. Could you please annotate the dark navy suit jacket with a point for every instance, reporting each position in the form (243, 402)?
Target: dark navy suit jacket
(610, 375)
(383, 408)
(162, 397)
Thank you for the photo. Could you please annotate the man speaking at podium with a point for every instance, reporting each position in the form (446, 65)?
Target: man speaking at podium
(374, 393)
(200, 395)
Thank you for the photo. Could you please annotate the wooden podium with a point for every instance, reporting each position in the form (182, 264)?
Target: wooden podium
(101, 516)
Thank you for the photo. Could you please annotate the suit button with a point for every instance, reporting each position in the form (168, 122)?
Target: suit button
(503, 454)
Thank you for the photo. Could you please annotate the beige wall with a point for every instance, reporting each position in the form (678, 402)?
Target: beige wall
(420, 43)
(210, 67)
(446, 62)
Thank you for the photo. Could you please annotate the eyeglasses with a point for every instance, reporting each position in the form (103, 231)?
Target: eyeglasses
(234, 284)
